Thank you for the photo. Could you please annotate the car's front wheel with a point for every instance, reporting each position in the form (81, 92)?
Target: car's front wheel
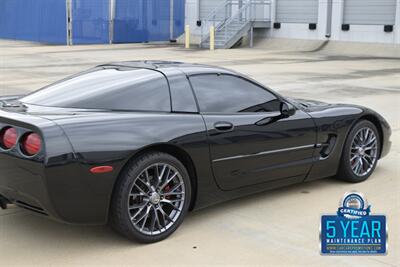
(151, 198)
(360, 153)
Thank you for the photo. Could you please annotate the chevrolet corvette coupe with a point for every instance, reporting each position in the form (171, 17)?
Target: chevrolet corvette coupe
(139, 144)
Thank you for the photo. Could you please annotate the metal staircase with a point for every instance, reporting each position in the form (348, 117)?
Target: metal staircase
(233, 20)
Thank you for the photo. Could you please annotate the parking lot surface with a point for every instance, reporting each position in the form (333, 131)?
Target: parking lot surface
(278, 227)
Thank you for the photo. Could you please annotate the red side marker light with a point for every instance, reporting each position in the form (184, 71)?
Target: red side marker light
(101, 169)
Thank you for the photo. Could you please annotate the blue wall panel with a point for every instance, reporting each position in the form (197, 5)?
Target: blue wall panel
(34, 20)
(45, 20)
(179, 18)
(90, 21)
(141, 21)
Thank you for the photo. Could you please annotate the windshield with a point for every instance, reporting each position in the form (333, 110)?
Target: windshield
(112, 88)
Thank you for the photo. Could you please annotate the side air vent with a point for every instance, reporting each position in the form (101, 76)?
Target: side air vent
(328, 146)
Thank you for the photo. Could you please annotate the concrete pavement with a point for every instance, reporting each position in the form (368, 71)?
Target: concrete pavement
(278, 227)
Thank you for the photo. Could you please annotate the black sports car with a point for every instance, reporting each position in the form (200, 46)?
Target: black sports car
(138, 144)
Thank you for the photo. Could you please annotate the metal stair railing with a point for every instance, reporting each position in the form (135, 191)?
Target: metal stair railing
(232, 21)
(240, 20)
(259, 6)
(217, 18)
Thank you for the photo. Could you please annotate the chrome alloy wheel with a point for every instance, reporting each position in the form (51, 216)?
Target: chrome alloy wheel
(364, 150)
(156, 199)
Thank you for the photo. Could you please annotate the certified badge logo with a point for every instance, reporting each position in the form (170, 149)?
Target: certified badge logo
(353, 206)
(353, 230)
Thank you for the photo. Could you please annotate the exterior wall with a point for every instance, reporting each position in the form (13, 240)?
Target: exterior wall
(192, 13)
(297, 11)
(300, 30)
(379, 12)
(357, 33)
(208, 6)
(362, 33)
(397, 27)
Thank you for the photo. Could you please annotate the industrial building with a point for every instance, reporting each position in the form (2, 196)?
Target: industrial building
(125, 21)
(374, 21)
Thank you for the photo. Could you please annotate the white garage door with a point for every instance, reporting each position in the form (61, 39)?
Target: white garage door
(369, 12)
(208, 6)
(297, 11)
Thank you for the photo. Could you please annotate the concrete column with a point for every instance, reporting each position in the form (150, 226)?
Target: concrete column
(192, 15)
(272, 16)
(397, 24)
(251, 36)
(337, 19)
(322, 15)
(111, 21)
(198, 8)
(273, 11)
(68, 4)
(328, 26)
(171, 20)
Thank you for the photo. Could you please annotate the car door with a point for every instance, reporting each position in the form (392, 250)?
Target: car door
(250, 141)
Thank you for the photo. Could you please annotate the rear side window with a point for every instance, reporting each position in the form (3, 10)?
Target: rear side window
(117, 89)
(181, 93)
(230, 94)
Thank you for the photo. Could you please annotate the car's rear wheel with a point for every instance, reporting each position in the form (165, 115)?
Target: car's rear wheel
(151, 198)
(360, 153)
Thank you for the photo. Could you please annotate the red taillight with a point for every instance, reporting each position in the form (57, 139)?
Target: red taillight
(9, 137)
(31, 144)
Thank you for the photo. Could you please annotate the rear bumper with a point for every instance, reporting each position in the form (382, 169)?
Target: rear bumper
(65, 192)
(56, 182)
(5, 201)
(22, 183)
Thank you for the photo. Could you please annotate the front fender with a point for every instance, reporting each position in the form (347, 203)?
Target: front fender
(333, 125)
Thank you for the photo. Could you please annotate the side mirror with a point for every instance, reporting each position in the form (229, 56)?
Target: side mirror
(287, 109)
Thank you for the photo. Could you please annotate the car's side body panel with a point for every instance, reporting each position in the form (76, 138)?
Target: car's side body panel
(255, 153)
(112, 139)
(334, 122)
(333, 125)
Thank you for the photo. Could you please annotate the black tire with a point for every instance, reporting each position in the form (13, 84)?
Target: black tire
(346, 172)
(120, 215)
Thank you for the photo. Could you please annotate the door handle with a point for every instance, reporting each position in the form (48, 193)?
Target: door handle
(223, 126)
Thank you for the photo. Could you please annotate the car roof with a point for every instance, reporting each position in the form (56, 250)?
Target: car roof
(159, 65)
